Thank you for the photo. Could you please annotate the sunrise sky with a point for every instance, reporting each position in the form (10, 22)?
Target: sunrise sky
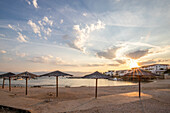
(83, 35)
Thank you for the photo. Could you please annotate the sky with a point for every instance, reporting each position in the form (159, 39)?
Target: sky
(83, 35)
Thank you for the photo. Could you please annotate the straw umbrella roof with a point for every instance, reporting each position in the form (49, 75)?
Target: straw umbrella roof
(56, 73)
(141, 72)
(26, 75)
(9, 74)
(96, 75)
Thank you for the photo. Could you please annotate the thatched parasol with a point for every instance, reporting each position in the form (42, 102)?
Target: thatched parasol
(96, 75)
(56, 74)
(7, 75)
(26, 75)
(140, 73)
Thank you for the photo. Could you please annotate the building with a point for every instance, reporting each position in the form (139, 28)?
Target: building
(121, 72)
(110, 73)
(117, 73)
(156, 68)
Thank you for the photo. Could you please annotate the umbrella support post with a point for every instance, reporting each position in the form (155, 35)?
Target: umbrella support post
(3, 83)
(9, 83)
(139, 87)
(96, 89)
(56, 86)
(26, 86)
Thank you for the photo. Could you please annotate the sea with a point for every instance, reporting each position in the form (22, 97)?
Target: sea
(66, 82)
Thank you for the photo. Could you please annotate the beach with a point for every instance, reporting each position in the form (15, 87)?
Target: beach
(155, 98)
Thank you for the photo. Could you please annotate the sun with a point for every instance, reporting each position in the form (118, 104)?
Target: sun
(133, 63)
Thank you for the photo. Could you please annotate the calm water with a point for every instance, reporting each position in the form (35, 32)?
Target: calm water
(50, 81)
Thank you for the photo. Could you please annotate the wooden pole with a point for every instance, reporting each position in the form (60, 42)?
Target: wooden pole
(9, 83)
(139, 87)
(96, 89)
(26, 86)
(3, 83)
(56, 86)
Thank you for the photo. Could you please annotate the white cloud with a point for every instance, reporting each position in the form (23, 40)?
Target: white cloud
(108, 54)
(10, 26)
(15, 28)
(28, 2)
(47, 59)
(117, 0)
(40, 23)
(50, 22)
(35, 28)
(3, 51)
(21, 54)
(22, 38)
(2, 35)
(43, 28)
(34, 2)
(61, 21)
(137, 54)
(84, 14)
(49, 31)
(82, 34)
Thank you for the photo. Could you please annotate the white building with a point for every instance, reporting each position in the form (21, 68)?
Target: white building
(156, 68)
(121, 72)
(110, 73)
(117, 73)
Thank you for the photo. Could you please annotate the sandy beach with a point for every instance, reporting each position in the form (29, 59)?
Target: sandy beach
(119, 99)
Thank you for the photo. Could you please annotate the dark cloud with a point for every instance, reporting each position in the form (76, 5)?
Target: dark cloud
(108, 54)
(121, 61)
(137, 54)
(113, 64)
(163, 60)
(147, 62)
(71, 42)
(97, 65)
(93, 65)
(46, 59)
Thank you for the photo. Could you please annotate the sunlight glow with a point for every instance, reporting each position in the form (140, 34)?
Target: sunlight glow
(133, 63)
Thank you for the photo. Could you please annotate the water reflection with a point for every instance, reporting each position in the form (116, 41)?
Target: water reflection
(50, 81)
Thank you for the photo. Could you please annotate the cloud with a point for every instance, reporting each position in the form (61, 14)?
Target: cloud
(113, 64)
(82, 34)
(45, 19)
(35, 28)
(108, 54)
(84, 14)
(148, 62)
(61, 21)
(22, 38)
(117, 0)
(34, 2)
(2, 35)
(43, 28)
(98, 65)
(47, 59)
(93, 65)
(121, 61)
(29, 3)
(160, 49)
(21, 54)
(163, 60)
(48, 31)
(15, 28)
(10, 26)
(137, 54)
(153, 61)
(3, 51)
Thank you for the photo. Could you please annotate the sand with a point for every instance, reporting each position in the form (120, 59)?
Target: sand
(155, 98)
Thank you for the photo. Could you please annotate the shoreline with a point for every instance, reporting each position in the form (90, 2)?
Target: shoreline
(81, 99)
